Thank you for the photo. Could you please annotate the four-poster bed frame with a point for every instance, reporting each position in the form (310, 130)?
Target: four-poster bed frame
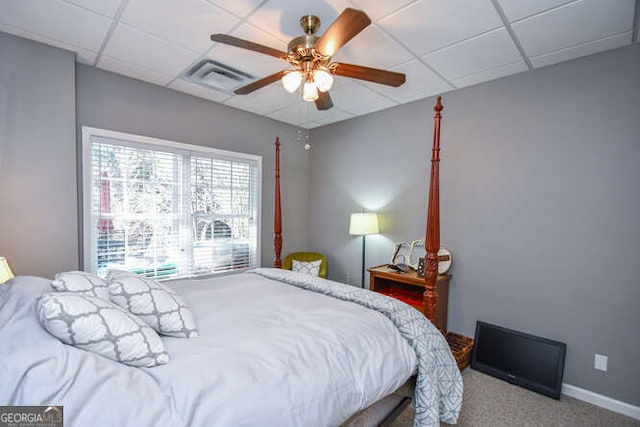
(432, 244)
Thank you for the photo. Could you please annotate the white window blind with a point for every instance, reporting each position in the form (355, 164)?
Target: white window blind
(168, 210)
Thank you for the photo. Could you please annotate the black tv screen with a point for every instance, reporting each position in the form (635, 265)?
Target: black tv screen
(529, 361)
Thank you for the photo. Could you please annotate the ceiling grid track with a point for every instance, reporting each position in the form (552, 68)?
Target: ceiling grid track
(112, 28)
(512, 33)
(206, 52)
(447, 81)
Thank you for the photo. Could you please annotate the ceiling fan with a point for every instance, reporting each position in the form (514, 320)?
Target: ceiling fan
(310, 57)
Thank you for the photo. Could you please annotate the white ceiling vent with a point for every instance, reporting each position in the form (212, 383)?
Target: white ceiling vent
(218, 76)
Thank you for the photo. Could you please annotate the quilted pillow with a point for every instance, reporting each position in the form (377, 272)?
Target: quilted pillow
(155, 303)
(310, 268)
(82, 283)
(92, 324)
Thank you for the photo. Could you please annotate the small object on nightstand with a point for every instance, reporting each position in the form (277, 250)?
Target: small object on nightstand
(400, 267)
(420, 270)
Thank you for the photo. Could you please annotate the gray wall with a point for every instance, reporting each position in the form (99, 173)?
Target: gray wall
(539, 200)
(110, 101)
(38, 204)
(44, 92)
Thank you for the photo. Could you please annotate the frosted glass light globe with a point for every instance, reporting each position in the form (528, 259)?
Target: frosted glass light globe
(291, 81)
(309, 91)
(323, 80)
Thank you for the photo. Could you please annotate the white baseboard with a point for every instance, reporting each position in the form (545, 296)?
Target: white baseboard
(602, 401)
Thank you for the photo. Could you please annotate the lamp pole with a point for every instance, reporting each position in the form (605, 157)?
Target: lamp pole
(364, 236)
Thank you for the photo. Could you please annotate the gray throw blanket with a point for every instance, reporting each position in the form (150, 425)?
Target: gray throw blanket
(438, 394)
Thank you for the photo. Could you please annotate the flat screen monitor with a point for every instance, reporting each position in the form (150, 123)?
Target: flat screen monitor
(526, 360)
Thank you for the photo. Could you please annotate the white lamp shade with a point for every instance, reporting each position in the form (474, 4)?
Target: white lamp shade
(363, 223)
(291, 81)
(309, 91)
(5, 270)
(323, 80)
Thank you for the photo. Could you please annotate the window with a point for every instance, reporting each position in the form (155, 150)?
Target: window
(165, 209)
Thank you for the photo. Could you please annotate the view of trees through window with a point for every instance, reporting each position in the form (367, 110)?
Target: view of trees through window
(171, 213)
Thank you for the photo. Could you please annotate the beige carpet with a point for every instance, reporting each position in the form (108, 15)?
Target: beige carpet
(492, 402)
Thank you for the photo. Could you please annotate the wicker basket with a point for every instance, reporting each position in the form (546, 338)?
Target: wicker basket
(461, 348)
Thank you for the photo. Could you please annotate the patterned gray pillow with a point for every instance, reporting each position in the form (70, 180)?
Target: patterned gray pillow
(82, 283)
(310, 268)
(155, 303)
(92, 324)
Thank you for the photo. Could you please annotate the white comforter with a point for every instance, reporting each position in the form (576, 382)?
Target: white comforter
(269, 354)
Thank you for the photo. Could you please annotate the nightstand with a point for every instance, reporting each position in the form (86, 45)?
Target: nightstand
(409, 288)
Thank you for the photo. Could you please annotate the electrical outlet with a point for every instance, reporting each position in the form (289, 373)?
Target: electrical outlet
(600, 362)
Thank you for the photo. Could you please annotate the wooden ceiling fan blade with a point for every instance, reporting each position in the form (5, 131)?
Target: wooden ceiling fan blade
(374, 75)
(344, 28)
(258, 84)
(324, 101)
(244, 44)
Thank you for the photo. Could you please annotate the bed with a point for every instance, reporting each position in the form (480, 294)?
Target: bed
(301, 351)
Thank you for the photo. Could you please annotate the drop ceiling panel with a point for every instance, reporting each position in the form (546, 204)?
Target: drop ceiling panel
(439, 44)
(256, 64)
(519, 9)
(133, 70)
(377, 9)
(484, 52)
(421, 82)
(273, 96)
(296, 114)
(427, 25)
(107, 8)
(281, 18)
(243, 103)
(239, 8)
(187, 23)
(83, 56)
(136, 47)
(581, 50)
(356, 99)
(386, 53)
(492, 74)
(199, 91)
(56, 20)
(573, 24)
(334, 115)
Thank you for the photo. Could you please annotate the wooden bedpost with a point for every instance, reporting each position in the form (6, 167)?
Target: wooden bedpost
(277, 217)
(430, 296)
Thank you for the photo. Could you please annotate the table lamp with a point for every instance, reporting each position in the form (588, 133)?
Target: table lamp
(5, 270)
(362, 224)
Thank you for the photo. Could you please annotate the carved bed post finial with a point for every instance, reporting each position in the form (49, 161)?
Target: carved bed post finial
(430, 297)
(277, 217)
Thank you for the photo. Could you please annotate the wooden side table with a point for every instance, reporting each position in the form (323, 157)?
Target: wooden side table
(408, 287)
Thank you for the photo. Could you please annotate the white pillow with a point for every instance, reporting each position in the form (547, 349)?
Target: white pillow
(82, 283)
(310, 268)
(154, 303)
(90, 323)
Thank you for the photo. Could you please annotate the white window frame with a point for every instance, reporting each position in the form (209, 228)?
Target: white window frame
(132, 139)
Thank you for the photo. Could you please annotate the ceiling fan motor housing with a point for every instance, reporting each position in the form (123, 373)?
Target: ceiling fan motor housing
(307, 41)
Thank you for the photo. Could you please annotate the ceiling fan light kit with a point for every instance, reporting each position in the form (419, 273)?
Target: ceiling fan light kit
(310, 56)
(291, 81)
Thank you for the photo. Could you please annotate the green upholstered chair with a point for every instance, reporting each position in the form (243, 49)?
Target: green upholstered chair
(306, 257)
